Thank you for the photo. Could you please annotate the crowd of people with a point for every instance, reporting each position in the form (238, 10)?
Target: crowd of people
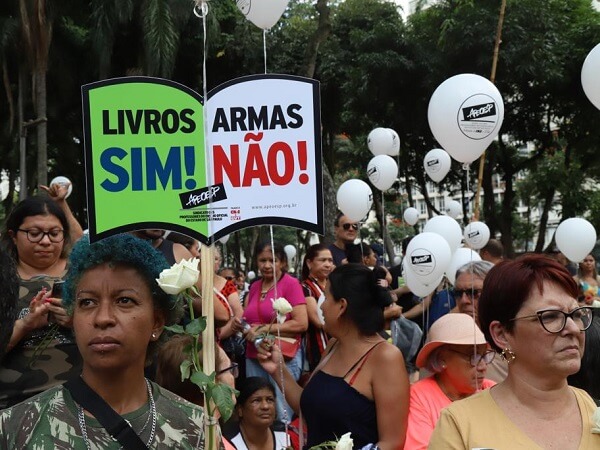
(89, 358)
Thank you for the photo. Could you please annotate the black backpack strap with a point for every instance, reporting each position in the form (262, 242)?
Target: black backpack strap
(108, 417)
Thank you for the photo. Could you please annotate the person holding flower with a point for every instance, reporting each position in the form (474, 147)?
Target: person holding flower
(361, 385)
(275, 288)
(119, 313)
(528, 312)
(41, 351)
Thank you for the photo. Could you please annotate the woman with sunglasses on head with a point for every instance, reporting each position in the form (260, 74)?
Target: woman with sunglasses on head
(457, 354)
(41, 352)
(528, 311)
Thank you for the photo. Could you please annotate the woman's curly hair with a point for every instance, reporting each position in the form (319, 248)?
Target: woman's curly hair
(128, 251)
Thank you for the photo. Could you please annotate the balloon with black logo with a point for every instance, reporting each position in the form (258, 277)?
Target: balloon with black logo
(428, 256)
(437, 164)
(382, 172)
(465, 115)
(414, 284)
(477, 235)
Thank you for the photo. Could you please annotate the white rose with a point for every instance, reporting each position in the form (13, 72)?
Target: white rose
(345, 443)
(282, 307)
(179, 277)
(596, 421)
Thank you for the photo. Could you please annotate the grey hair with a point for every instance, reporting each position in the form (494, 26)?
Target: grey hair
(479, 269)
(434, 362)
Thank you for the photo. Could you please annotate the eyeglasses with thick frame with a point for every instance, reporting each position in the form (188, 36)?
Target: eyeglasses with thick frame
(233, 368)
(555, 320)
(347, 226)
(476, 358)
(34, 235)
(473, 294)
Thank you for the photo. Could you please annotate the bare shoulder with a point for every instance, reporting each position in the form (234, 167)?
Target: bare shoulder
(387, 353)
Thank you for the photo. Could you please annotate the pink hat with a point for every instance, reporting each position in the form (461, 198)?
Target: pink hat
(452, 328)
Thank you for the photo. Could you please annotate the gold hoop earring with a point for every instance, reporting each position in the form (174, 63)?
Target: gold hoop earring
(508, 355)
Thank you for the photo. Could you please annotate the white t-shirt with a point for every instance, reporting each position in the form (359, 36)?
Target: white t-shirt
(280, 441)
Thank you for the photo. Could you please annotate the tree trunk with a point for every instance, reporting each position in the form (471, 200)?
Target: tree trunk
(310, 60)
(505, 222)
(42, 126)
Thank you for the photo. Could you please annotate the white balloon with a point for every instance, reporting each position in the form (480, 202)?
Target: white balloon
(576, 238)
(477, 235)
(590, 74)
(395, 149)
(453, 209)
(460, 257)
(380, 141)
(465, 115)
(428, 256)
(412, 281)
(354, 199)
(290, 251)
(382, 172)
(397, 260)
(437, 164)
(411, 215)
(262, 13)
(224, 239)
(446, 227)
(251, 275)
(63, 181)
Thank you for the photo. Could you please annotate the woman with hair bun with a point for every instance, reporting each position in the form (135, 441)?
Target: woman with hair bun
(360, 386)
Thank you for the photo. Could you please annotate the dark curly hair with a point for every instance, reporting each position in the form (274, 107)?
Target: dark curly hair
(128, 251)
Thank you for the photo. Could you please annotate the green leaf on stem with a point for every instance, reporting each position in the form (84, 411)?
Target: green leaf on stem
(177, 329)
(195, 290)
(222, 395)
(196, 326)
(185, 369)
(202, 380)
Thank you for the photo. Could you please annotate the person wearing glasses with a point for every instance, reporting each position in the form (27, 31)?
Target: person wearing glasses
(41, 352)
(528, 312)
(467, 290)
(457, 354)
(345, 231)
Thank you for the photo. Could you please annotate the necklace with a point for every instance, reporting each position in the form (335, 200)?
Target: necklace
(151, 413)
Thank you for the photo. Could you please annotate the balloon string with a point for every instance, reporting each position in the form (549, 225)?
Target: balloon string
(265, 48)
(383, 227)
(205, 112)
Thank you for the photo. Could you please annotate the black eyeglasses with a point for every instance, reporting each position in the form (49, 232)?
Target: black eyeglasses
(473, 294)
(476, 358)
(347, 226)
(555, 320)
(34, 235)
(233, 368)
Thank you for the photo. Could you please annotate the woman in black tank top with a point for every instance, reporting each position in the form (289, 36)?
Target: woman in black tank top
(360, 386)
